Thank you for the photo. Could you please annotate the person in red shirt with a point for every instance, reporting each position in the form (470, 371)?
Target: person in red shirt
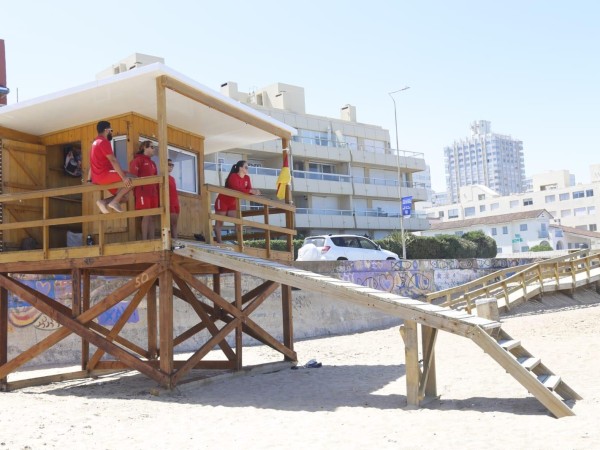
(105, 169)
(238, 180)
(146, 197)
(173, 201)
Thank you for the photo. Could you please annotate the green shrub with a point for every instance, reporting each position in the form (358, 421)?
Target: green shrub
(486, 246)
(545, 247)
(276, 244)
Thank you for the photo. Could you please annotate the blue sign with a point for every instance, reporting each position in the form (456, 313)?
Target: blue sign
(406, 206)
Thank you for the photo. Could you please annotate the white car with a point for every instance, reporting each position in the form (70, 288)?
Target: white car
(341, 247)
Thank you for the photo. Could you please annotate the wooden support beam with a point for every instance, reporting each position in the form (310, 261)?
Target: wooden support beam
(165, 303)
(163, 156)
(409, 334)
(152, 320)
(3, 332)
(288, 320)
(428, 384)
(237, 282)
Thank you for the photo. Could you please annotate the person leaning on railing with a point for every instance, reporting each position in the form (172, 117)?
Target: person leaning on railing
(105, 169)
(225, 205)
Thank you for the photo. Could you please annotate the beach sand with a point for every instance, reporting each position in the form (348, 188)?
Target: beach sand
(357, 399)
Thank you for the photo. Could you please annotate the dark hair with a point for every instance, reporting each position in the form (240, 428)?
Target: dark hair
(143, 146)
(102, 125)
(235, 169)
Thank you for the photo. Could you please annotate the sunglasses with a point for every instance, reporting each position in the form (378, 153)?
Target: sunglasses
(171, 165)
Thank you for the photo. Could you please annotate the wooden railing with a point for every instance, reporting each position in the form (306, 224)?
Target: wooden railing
(248, 226)
(498, 284)
(101, 246)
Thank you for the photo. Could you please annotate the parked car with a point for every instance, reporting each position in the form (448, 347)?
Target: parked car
(341, 247)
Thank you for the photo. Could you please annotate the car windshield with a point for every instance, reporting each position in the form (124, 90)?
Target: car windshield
(316, 241)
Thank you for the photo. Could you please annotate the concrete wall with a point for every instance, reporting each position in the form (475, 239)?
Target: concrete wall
(314, 314)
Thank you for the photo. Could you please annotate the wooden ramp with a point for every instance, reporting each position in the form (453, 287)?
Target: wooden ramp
(535, 377)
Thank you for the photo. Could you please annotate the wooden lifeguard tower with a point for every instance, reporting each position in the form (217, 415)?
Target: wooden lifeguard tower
(155, 102)
(40, 205)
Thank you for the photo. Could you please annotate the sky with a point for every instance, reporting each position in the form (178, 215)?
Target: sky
(531, 67)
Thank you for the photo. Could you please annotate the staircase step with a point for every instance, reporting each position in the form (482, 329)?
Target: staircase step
(550, 381)
(529, 362)
(509, 344)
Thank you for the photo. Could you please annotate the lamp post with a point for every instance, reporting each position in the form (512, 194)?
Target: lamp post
(391, 94)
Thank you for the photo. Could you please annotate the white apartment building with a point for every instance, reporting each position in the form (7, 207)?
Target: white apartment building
(519, 231)
(346, 177)
(485, 158)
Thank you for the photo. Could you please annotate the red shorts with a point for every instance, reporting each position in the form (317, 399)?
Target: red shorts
(225, 203)
(146, 201)
(108, 178)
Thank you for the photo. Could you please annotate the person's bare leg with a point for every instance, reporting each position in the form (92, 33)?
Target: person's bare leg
(218, 226)
(174, 220)
(120, 197)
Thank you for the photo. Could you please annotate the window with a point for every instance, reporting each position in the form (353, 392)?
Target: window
(592, 227)
(550, 198)
(481, 197)
(494, 206)
(514, 203)
(119, 144)
(527, 201)
(563, 197)
(591, 210)
(525, 248)
(579, 212)
(481, 208)
(578, 194)
(504, 230)
(589, 193)
(452, 213)
(494, 231)
(185, 169)
(565, 212)
(470, 211)
(523, 227)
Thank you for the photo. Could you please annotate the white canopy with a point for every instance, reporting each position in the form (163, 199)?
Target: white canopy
(135, 91)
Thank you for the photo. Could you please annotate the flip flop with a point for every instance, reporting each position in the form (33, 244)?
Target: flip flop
(102, 206)
(116, 207)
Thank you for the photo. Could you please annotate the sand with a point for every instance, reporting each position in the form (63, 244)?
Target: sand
(357, 399)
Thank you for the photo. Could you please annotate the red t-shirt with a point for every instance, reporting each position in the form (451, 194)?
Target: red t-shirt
(242, 184)
(98, 161)
(173, 197)
(143, 166)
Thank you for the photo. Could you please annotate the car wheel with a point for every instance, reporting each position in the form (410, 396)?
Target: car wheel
(392, 259)
(342, 259)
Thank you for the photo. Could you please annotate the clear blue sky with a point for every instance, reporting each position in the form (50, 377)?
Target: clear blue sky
(530, 67)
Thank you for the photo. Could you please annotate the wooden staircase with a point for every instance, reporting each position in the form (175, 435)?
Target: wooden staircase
(488, 334)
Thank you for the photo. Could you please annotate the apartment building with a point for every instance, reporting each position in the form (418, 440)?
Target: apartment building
(572, 206)
(346, 177)
(490, 159)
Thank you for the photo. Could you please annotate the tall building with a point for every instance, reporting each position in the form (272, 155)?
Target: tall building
(346, 177)
(486, 158)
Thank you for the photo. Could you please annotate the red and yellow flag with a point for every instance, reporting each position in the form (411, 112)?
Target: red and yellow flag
(284, 177)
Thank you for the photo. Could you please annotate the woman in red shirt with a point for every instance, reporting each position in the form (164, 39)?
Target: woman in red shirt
(238, 180)
(173, 202)
(146, 197)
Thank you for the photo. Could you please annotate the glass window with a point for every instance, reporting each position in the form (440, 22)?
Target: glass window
(527, 201)
(565, 212)
(481, 197)
(494, 206)
(481, 208)
(591, 210)
(525, 248)
(452, 213)
(589, 193)
(523, 227)
(494, 231)
(592, 227)
(470, 211)
(563, 197)
(185, 167)
(514, 203)
(550, 198)
(119, 144)
(504, 230)
(578, 194)
(579, 211)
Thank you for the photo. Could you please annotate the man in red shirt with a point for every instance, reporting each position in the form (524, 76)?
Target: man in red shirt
(146, 197)
(105, 169)
(173, 201)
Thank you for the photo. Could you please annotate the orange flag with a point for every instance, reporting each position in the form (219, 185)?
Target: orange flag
(284, 177)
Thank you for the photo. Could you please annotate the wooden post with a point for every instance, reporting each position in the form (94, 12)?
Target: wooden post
(487, 308)
(163, 155)
(428, 386)
(3, 333)
(408, 331)
(151, 316)
(85, 305)
(288, 322)
(237, 279)
(166, 324)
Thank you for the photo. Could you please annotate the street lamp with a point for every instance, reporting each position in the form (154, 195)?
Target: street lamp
(391, 94)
